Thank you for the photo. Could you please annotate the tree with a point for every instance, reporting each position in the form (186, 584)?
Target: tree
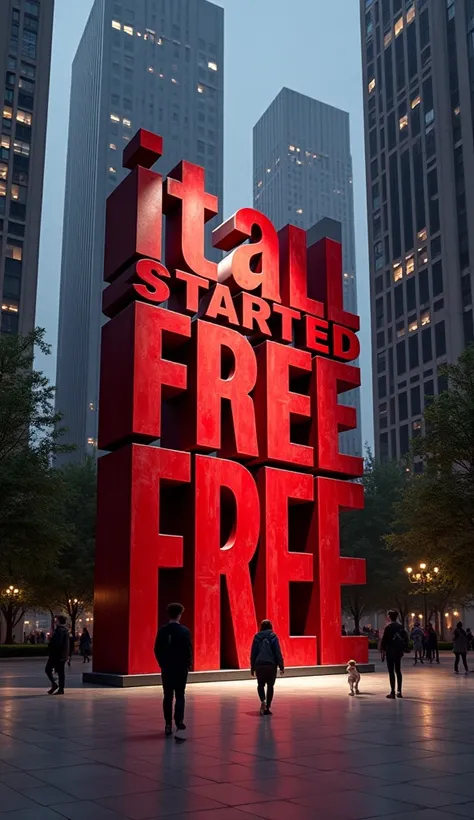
(362, 536)
(32, 527)
(69, 586)
(436, 511)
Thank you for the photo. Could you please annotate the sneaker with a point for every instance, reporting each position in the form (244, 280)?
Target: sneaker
(357, 692)
(181, 727)
(262, 707)
(391, 696)
(53, 689)
(399, 695)
(351, 694)
(59, 692)
(168, 730)
(267, 711)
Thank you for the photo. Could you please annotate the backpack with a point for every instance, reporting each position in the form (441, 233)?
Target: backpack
(265, 652)
(399, 641)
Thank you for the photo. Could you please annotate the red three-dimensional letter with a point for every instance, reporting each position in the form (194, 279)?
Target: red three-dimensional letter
(329, 380)
(254, 264)
(225, 396)
(278, 406)
(216, 480)
(294, 276)
(130, 551)
(277, 567)
(331, 571)
(188, 207)
(135, 376)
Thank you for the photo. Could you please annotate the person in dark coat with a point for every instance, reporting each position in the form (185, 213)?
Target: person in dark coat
(265, 658)
(72, 647)
(174, 653)
(432, 644)
(394, 645)
(57, 656)
(85, 644)
(460, 646)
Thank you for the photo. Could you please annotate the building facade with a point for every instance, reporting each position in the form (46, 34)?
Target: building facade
(418, 72)
(25, 58)
(302, 174)
(143, 64)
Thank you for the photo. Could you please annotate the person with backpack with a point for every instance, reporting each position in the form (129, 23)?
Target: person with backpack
(265, 658)
(394, 646)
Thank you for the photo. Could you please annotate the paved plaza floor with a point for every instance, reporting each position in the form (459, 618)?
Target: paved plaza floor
(100, 754)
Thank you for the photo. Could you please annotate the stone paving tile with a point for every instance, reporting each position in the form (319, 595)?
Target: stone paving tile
(102, 752)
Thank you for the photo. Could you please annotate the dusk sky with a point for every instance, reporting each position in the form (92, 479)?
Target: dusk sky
(308, 45)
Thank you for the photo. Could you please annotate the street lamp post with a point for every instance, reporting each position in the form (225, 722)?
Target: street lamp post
(423, 578)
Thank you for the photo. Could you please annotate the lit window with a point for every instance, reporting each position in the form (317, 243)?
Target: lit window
(8, 306)
(397, 272)
(422, 235)
(18, 193)
(3, 170)
(112, 146)
(7, 112)
(117, 25)
(175, 82)
(403, 122)
(92, 441)
(413, 326)
(24, 116)
(457, 111)
(212, 66)
(371, 85)
(21, 147)
(298, 150)
(410, 266)
(416, 425)
(387, 39)
(411, 13)
(151, 69)
(112, 170)
(127, 123)
(114, 118)
(416, 101)
(200, 89)
(423, 255)
(14, 251)
(128, 29)
(269, 170)
(3, 188)
(299, 210)
(400, 332)
(298, 162)
(398, 26)
(425, 318)
(4, 141)
(291, 147)
(139, 34)
(91, 405)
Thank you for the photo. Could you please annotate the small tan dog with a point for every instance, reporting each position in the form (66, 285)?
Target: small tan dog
(353, 678)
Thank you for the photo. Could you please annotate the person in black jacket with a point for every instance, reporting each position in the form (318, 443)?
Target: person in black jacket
(174, 653)
(394, 645)
(57, 656)
(265, 657)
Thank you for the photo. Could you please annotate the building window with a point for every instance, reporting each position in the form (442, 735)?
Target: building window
(24, 117)
(128, 30)
(413, 325)
(403, 122)
(426, 345)
(28, 46)
(212, 65)
(112, 146)
(117, 25)
(440, 339)
(397, 271)
(19, 193)
(32, 8)
(14, 250)
(425, 318)
(21, 147)
(398, 26)
(114, 118)
(371, 85)
(401, 358)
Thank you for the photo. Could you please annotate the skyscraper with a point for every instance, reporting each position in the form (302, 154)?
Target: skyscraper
(25, 58)
(418, 70)
(142, 64)
(302, 174)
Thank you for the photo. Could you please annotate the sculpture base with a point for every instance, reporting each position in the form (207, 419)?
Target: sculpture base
(214, 676)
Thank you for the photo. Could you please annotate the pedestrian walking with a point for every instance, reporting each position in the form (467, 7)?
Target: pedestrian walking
(470, 639)
(265, 659)
(460, 643)
(432, 644)
(85, 645)
(394, 646)
(174, 653)
(58, 651)
(417, 635)
(72, 648)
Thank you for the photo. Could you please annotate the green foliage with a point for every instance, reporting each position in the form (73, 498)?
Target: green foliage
(436, 511)
(32, 526)
(362, 536)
